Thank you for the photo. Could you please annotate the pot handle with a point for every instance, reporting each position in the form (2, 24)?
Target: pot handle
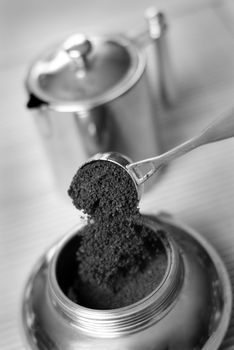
(95, 129)
(156, 35)
(157, 28)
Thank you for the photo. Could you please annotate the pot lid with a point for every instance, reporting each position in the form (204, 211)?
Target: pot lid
(85, 70)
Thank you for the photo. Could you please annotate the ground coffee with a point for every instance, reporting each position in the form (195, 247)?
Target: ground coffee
(104, 191)
(119, 260)
(132, 287)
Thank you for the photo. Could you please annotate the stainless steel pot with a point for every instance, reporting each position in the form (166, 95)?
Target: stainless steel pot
(189, 310)
(91, 94)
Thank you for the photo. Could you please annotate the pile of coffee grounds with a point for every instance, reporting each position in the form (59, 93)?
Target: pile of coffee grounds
(119, 260)
(114, 249)
(132, 287)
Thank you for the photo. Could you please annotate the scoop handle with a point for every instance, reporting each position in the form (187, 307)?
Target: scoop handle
(221, 128)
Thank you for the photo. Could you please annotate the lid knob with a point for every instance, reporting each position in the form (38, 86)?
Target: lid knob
(78, 47)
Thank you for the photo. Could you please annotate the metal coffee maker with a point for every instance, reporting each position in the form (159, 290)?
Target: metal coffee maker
(92, 93)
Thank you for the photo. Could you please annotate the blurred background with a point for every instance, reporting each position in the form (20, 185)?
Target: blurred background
(198, 188)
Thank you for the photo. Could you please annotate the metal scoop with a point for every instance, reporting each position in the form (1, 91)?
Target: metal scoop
(220, 129)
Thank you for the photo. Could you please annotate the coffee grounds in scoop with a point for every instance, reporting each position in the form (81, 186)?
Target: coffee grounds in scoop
(104, 191)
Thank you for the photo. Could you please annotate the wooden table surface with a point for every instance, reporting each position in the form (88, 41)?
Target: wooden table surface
(198, 188)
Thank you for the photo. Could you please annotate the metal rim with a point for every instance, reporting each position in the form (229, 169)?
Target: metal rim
(215, 338)
(131, 318)
(212, 343)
